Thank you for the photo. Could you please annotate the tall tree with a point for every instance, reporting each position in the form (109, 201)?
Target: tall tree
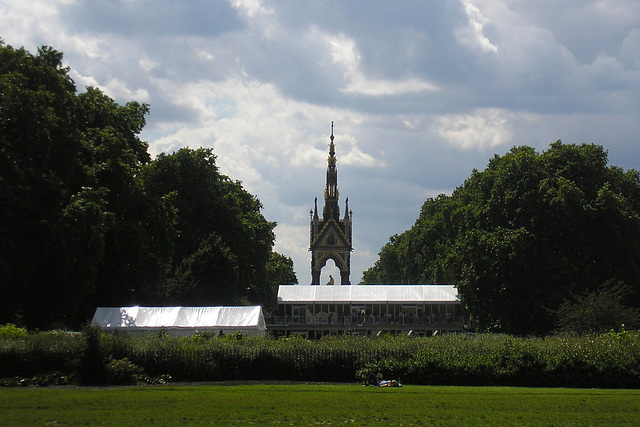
(599, 311)
(223, 242)
(524, 234)
(279, 272)
(87, 219)
(68, 166)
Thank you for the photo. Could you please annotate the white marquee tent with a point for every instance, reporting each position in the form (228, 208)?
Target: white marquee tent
(181, 321)
(368, 294)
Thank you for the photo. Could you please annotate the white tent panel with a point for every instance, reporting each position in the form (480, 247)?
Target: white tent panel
(323, 293)
(441, 293)
(332, 294)
(241, 317)
(405, 294)
(198, 317)
(296, 293)
(181, 320)
(163, 317)
(111, 317)
(367, 294)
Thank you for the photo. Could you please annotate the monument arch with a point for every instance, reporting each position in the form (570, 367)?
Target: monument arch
(331, 235)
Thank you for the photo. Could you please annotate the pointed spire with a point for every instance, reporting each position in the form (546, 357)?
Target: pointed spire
(332, 148)
(331, 208)
(315, 209)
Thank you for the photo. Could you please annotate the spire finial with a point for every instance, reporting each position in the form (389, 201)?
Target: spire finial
(332, 150)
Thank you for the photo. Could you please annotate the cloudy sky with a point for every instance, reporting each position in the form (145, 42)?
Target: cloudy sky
(421, 92)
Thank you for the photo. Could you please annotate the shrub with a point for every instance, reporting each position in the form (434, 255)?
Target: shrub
(93, 361)
(10, 331)
(93, 357)
(123, 372)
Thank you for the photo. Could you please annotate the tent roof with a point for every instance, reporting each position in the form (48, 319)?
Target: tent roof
(367, 294)
(250, 317)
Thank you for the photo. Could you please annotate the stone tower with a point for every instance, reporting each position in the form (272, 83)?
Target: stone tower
(331, 235)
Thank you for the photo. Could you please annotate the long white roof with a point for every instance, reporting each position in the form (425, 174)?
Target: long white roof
(141, 318)
(367, 294)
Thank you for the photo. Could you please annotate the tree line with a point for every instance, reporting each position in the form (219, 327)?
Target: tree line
(88, 218)
(535, 242)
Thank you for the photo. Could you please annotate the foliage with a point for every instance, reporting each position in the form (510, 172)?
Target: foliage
(40, 354)
(123, 372)
(89, 219)
(523, 235)
(68, 195)
(94, 357)
(607, 360)
(279, 272)
(10, 331)
(43, 380)
(222, 243)
(598, 312)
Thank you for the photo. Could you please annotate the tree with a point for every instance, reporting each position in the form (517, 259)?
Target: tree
(223, 243)
(598, 311)
(279, 272)
(387, 268)
(87, 219)
(71, 208)
(40, 167)
(522, 235)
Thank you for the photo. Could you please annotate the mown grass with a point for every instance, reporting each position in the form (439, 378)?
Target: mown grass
(306, 404)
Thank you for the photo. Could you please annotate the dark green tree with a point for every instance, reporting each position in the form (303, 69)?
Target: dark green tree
(519, 237)
(597, 311)
(87, 219)
(223, 243)
(40, 169)
(279, 272)
(388, 267)
(71, 209)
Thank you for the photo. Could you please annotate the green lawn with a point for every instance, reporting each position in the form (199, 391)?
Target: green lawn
(318, 404)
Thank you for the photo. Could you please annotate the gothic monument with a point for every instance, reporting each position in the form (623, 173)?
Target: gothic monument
(331, 235)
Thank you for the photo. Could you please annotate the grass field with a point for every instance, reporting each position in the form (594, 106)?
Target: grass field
(307, 404)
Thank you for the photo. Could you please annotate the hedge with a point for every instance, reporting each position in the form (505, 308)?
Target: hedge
(94, 357)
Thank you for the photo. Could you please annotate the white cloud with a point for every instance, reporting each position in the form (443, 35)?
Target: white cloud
(473, 34)
(483, 129)
(344, 53)
(148, 65)
(251, 7)
(116, 88)
(630, 49)
(28, 22)
(290, 242)
(420, 92)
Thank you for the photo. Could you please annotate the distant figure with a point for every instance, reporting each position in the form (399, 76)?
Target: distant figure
(387, 383)
(330, 282)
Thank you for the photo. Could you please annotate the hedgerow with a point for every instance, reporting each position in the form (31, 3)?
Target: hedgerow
(94, 357)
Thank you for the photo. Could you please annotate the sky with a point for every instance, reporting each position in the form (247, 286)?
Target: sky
(420, 92)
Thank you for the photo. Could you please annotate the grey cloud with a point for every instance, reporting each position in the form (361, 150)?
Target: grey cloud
(152, 18)
(586, 28)
(559, 70)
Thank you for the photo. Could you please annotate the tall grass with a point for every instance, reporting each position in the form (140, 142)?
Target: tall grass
(93, 357)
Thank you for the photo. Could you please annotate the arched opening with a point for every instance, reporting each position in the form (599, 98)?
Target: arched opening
(330, 269)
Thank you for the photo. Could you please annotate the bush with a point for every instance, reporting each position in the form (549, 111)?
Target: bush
(93, 361)
(123, 372)
(10, 331)
(93, 357)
